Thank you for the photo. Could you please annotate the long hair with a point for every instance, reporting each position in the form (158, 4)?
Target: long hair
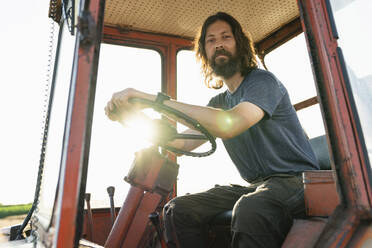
(244, 48)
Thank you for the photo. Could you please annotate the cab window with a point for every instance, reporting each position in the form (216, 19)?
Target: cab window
(113, 146)
(352, 19)
(291, 64)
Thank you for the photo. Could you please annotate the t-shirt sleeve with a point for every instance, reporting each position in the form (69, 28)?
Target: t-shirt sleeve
(217, 101)
(212, 102)
(265, 91)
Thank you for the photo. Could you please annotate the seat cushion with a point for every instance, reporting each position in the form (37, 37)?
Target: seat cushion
(320, 148)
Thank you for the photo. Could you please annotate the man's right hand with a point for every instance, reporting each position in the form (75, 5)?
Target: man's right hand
(119, 108)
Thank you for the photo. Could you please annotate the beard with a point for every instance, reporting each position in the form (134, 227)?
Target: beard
(225, 68)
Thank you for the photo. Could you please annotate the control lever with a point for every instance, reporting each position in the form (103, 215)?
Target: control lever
(111, 192)
(155, 220)
(90, 216)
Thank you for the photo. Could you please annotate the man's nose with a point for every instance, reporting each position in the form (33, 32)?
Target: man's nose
(219, 45)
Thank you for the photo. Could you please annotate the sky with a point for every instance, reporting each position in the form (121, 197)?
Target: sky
(24, 36)
(24, 45)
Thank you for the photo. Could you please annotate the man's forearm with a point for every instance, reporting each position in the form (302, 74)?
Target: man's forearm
(216, 121)
(187, 144)
(220, 123)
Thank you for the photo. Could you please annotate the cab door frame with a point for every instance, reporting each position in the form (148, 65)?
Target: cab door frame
(342, 124)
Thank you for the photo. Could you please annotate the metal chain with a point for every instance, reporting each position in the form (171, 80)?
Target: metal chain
(46, 114)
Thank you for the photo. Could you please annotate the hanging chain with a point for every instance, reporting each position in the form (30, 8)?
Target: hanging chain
(45, 123)
(46, 111)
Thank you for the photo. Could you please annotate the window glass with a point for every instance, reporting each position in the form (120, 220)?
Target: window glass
(353, 18)
(113, 146)
(56, 126)
(291, 64)
(198, 174)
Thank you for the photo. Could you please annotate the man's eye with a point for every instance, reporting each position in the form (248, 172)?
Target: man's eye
(210, 41)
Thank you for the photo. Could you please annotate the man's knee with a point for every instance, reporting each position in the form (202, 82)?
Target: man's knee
(260, 216)
(261, 220)
(248, 216)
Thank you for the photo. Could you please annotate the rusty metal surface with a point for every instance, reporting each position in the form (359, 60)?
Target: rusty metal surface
(321, 196)
(362, 236)
(70, 200)
(125, 217)
(101, 225)
(304, 233)
(306, 103)
(152, 172)
(141, 220)
(352, 178)
(335, 103)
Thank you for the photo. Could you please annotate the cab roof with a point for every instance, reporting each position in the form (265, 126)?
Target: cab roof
(183, 18)
(269, 22)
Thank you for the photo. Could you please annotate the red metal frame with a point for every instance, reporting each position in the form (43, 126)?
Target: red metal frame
(345, 142)
(78, 127)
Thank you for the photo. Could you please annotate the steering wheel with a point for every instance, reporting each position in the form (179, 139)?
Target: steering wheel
(168, 132)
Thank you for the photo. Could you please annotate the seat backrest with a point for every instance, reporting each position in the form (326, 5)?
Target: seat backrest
(320, 148)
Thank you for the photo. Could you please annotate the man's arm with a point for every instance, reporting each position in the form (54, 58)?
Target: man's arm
(187, 144)
(220, 123)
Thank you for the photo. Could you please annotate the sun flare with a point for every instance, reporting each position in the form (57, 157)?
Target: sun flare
(140, 130)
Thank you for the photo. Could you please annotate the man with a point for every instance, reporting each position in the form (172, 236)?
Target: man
(262, 134)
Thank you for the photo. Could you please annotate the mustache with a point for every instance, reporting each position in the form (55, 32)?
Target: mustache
(221, 52)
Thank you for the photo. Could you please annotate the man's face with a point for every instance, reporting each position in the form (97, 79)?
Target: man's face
(220, 47)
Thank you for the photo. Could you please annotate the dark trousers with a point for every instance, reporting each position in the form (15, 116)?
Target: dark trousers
(262, 213)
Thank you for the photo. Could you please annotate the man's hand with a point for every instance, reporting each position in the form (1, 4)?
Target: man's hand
(119, 107)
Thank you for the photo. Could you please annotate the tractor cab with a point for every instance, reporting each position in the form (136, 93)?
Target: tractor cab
(104, 184)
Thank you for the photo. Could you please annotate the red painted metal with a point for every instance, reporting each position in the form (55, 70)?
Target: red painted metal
(116, 35)
(321, 196)
(152, 177)
(145, 173)
(343, 137)
(306, 103)
(279, 37)
(332, 91)
(363, 236)
(334, 99)
(140, 221)
(304, 233)
(101, 227)
(124, 218)
(78, 126)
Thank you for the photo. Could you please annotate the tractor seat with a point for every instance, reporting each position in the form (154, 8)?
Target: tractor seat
(320, 148)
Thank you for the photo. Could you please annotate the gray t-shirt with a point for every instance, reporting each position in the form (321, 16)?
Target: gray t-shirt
(276, 144)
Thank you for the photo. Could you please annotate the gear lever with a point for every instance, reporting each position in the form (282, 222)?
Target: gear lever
(90, 216)
(111, 192)
(155, 220)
